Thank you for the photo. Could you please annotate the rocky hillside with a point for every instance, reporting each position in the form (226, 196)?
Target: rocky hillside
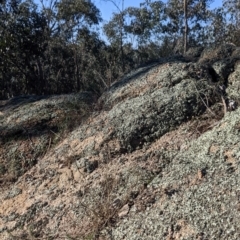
(155, 157)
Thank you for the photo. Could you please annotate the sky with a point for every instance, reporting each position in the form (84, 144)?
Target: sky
(107, 8)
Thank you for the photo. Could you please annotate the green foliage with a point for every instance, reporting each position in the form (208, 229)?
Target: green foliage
(146, 22)
(198, 14)
(225, 22)
(232, 10)
(217, 30)
(54, 47)
(51, 50)
(21, 43)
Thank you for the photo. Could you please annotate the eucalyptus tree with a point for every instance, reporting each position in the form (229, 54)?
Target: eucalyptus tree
(22, 41)
(225, 23)
(48, 48)
(136, 29)
(185, 8)
(216, 32)
(114, 29)
(187, 17)
(146, 25)
(66, 17)
(70, 24)
(232, 11)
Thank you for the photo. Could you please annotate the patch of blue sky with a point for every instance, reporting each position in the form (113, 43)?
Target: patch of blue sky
(107, 7)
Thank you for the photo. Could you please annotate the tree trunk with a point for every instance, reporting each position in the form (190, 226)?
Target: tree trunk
(186, 26)
(122, 23)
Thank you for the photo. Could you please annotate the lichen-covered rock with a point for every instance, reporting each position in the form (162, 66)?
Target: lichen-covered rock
(212, 54)
(234, 83)
(148, 105)
(31, 125)
(156, 158)
(197, 194)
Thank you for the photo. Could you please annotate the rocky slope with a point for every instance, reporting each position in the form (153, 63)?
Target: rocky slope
(155, 158)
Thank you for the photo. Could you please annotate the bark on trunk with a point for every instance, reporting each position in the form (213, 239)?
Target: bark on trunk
(186, 26)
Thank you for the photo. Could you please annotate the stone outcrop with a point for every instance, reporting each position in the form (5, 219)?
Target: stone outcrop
(156, 157)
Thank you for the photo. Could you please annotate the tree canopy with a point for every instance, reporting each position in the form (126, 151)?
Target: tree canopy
(56, 46)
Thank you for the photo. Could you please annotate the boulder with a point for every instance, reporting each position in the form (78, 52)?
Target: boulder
(157, 157)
